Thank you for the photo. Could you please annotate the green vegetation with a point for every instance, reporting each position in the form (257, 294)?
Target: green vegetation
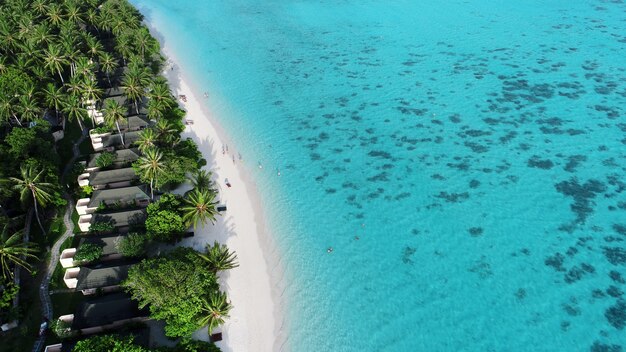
(133, 245)
(174, 287)
(165, 222)
(218, 257)
(12, 249)
(105, 159)
(88, 252)
(102, 226)
(199, 207)
(113, 343)
(57, 58)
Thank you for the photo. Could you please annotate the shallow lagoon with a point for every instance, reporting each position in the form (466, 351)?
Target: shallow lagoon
(465, 161)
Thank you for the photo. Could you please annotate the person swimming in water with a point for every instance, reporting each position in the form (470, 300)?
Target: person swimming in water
(329, 250)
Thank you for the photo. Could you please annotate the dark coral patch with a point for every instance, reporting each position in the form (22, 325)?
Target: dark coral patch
(475, 231)
(573, 161)
(615, 255)
(601, 347)
(582, 194)
(556, 261)
(619, 228)
(453, 197)
(536, 162)
(614, 291)
(617, 277)
(406, 255)
(616, 315)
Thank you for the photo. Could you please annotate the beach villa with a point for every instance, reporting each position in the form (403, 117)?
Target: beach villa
(88, 279)
(120, 220)
(125, 197)
(108, 179)
(108, 243)
(104, 314)
(123, 158)
(108, 141)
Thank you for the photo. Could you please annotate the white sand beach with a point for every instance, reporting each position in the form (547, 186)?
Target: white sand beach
(255, 320)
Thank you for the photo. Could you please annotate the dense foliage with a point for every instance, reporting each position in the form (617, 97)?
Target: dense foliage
(165, 221)
(132, 245)
(101, 226)
(113, 343)
(105, 159)
(88, 252)
(57, 58)
(173, 287)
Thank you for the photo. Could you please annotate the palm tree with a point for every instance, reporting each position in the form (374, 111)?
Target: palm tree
(199, 206)
(143, 40)
(159, 90)
(91, 16)
(219, 257)
(108, 64)
(73, 12)
(28, 108)
(54, 14)
(42, 34)
(201, 180)
(74, 86)
(74, 109)
(14, 251)
(31, 186)
(7, 110)
(113, 115)
(94, 46)
(84, 67)
(53, 97)
(147, 139)
(8, 38)
(155, 109)
(91, 91)
(166, 132)
(54, 60)
(39, 6)
(151, 166)
(214, 309)
(133, 90)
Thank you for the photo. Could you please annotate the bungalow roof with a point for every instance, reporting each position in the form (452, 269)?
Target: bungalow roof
(108, 243)
(123, 195)
(115, 140)
(106, 310)
(101, 276)
(98, 178)
(122, 156)
(122, 218)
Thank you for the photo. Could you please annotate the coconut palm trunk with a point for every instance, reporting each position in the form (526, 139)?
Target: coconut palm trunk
(60, 76)
(120, 132)
(37, 212)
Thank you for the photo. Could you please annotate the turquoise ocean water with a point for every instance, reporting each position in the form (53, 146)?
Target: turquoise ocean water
(464, 159)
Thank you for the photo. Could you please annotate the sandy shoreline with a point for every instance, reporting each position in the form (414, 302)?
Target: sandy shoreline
(256, 321)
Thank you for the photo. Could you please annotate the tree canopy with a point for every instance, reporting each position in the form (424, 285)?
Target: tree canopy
(173, 287)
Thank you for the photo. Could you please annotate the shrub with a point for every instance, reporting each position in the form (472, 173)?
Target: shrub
(62, 329)
(105, 159)
(164, 225)
(88, 252)
(87, 190)
(102, 226)
(101, 129)
(133, 245)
